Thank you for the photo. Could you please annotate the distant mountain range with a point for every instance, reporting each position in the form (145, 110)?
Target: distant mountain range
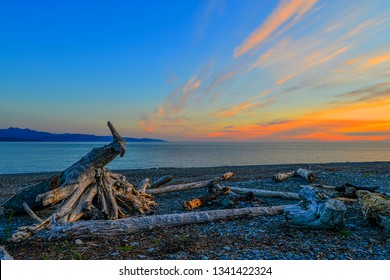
(27, 135)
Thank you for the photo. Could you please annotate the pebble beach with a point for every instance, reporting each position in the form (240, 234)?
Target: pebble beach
(241, 239)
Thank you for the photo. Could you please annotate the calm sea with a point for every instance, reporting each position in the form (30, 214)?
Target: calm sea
(26, 157)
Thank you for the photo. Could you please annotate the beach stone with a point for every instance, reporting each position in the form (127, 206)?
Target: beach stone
(113, 254)
(78, 242)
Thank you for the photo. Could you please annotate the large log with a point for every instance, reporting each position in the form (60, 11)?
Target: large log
(191, 186)
(375, 208)
(266, 193)
(107, 228)
(316, 211)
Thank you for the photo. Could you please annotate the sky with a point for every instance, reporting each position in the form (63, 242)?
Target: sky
(288, 70)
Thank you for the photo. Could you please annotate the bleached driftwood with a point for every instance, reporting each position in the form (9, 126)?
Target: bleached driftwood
(85, 188)
(191, 186)
(304, 173)
(316, 211)
(307, 174)
(161, 181)
(107, 228)
(266, 193)
(197, 202)
(375, 208)
(280, 177)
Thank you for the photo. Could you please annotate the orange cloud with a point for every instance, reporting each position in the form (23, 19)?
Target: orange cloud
(364, 120)
(378, 59)
(286, 10)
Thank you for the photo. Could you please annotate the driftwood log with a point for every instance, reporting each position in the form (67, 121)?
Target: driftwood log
(307, 174)
(135, 224)
(266, 193)
(375, 208)
(316, 211)
(280, 177)
(197, 202)
(304, 173)
(191, 186)
(161, 181)
(86, 190)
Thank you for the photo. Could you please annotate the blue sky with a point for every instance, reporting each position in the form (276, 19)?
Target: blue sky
(198, 70)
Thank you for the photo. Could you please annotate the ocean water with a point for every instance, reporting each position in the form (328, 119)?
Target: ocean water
(27, 157)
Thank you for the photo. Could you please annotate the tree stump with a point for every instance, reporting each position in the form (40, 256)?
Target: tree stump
(316, 211)
(86, 189)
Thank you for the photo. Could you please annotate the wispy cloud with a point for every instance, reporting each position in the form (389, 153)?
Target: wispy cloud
(290, 10)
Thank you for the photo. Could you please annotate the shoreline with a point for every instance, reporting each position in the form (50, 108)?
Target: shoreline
(254, 238)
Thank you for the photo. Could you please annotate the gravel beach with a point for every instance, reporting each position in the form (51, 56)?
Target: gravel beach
(242, 239)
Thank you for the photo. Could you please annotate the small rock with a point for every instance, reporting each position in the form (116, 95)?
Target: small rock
(255, 252)
(78, 242)
(227, 203)
(150, 250)
(227, 248)
(135, 243)
(204, 258)
(141, 256)
(113, 254)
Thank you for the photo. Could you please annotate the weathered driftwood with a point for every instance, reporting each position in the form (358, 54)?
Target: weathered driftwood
(284, 176)
(86, 189)
(375, 208)
(143, 185)
(197, 202)
(316, 211)
(28, 195)
(31, 213)
(307, 174)
(107, 228)
(191, 186)
(266, 193)
(347, 187)
(161, 181)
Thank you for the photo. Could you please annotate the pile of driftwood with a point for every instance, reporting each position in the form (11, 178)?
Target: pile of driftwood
(89, 198)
